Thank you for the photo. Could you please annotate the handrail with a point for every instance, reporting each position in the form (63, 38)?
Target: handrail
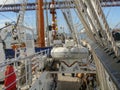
(28, 65)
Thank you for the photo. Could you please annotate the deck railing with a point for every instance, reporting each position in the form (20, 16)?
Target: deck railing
(26, 69)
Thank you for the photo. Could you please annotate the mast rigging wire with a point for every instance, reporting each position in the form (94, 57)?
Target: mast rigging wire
(117, 25)
(3, 4)
(6, 17)
(3, 14)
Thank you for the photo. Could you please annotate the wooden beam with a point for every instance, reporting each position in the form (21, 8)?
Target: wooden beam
(40, 24)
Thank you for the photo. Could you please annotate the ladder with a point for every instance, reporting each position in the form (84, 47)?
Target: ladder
(97, 7)
(94, 21)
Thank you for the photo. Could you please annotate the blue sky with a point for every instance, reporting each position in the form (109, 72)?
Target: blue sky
(30, 17)
(114, 16)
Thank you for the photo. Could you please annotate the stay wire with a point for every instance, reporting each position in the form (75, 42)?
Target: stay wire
(6, 17)
(3, 14)
(3, 4)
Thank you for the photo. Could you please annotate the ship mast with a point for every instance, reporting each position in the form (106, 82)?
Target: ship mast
(40, 24)
(53, 12)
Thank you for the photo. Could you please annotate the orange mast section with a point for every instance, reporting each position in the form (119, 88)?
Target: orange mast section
(53, 12)
(40, 24)
(53, 15)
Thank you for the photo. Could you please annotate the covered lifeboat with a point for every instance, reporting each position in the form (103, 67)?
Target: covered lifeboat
(69, 53)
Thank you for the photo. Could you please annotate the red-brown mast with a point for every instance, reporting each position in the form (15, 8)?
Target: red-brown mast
(40, 24)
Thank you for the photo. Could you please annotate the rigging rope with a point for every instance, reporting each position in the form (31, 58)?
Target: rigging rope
(78, 11)
(68, 17)
(108, 13)
(3, 14)
(3, 4)
(113, 46)
(6, 17)
(117, 25)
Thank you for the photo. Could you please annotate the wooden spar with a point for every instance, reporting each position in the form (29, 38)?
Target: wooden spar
(40, 24)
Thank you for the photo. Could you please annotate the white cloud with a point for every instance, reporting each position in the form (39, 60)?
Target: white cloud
(9, 1)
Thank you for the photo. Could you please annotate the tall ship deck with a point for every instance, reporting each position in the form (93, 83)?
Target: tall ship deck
(59, 45)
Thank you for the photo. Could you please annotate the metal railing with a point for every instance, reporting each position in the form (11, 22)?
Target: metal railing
(26, 69)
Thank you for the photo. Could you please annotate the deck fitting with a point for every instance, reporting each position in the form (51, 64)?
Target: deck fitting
(105, 49)
(118, 61)
(114, 57)
(111, 53)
